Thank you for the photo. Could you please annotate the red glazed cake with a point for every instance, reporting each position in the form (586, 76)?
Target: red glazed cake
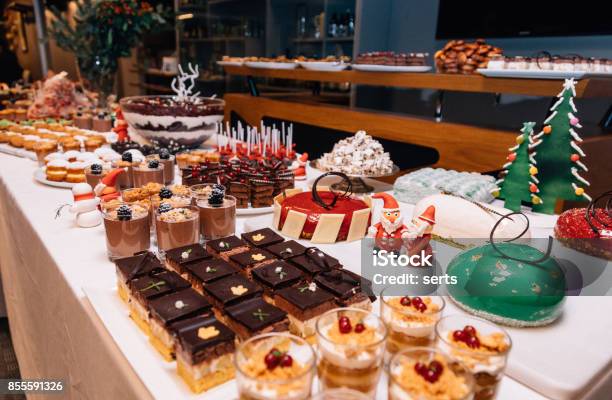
(321, 216)
(590, 233)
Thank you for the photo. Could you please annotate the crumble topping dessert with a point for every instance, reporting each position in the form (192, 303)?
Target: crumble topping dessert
(177, 215)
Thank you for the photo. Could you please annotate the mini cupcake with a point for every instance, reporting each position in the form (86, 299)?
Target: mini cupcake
(75, 172)
(56, 170)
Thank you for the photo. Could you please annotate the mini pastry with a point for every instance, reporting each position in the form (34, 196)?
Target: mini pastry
(71, 155)
(246, 261)
(314, 261)
(254, 317)
(586, 230)
(129, 268)
(75, 172)
(304, 303)
(206, 271)
(262, 238)
(147, 288)
(349, 289)
(231, 290)
(56, 170)
(227, 246)
(16, 141)
(71, 145)
(286, 250)
(178, 258)
(204, 352)
(169, 309)
(276, 275)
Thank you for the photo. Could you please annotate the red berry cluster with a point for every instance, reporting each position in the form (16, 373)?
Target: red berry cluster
(431, 372)
(344, 325)
(415, 302)
(468, 336)
(276, 358)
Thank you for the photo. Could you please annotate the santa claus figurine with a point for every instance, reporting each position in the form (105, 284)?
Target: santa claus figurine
(85, 206)
(299, 167)
(105, 189)
(422, 225)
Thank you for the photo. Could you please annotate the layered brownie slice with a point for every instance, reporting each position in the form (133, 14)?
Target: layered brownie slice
(349, 289)
(286, 250)
(149, 287)
(169, 309)
(314, 261)
(262, 238)
(231, 290)
(204, 352)
(132, 267)
(304, 303)
(179, 257)
(261, 193)
(276, 275)
(201, 273)
(226, 247)
(241, 192)
(248, 260)
(254, 317)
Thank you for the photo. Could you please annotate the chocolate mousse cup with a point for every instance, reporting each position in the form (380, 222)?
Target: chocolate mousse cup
(94, 177)
(126, 236)
(143, 174)
(177, 227)
(217, 221)
(124, 181)
(168, 164)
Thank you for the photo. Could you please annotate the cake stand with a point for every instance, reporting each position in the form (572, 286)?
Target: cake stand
(359, 186)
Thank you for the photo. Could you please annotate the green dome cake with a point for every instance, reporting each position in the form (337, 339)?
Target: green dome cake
(507, 291)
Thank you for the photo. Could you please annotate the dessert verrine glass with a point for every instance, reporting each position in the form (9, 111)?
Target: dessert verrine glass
(424, 373)
(339, 394)
(127, 230)
(94, 174)
(481, 346)
(275, 366)
(177, 227)
(167, 160)
(199, 192)
(147, 172)
(411, 320)
(351, 348)
(217, 214)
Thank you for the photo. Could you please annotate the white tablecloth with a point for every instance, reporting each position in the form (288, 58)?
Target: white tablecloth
(44, 263)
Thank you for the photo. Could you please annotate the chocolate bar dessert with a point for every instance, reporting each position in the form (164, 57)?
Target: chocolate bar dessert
(347, 288)
(204, 352)
(132, 267)
(206, 271)
(276, 275)
(255, 316)
(286, 250)
(262, 238)
(304, 303)
(226, 247)
(179, 257)
(171, 308)
(314, 261)
(248, 260)
(231, 290)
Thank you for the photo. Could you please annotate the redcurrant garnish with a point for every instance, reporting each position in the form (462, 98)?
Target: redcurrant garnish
(417, 300)
(459, 336)
(436, 366)
(473, 342)
(344, 325)
(405, 301)
(272, 359)
(286, 361)
(469, 329)
(359, 328)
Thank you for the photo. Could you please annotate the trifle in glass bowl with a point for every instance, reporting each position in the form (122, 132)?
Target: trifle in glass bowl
(188, 121)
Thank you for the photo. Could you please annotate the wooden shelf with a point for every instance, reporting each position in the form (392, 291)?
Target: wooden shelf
(220, 39)
(590, 87)
(151, 86)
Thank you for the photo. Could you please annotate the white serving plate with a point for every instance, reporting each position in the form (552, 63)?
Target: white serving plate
(160, 377)
(271, 65)
(538, 74)
(390, 68)
(254, 211)
(41, 176)
(231, 63)
(17, 152)
(323, 65)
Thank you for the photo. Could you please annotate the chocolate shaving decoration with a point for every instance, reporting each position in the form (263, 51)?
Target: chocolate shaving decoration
(315, 194)
(591, 211)
(318, 257)
(545, 257)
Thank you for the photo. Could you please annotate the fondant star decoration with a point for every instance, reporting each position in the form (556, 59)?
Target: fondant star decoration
(208, 332)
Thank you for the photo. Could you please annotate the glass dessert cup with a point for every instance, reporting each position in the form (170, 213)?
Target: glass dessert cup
(262, 370)
(126, 237)
(177, 227)
(217, 221)
(93, 179)
(350, 357)
(407, 325)
(124, 181)
(424, 373)
(168, 167)
(339, 394)
(483, 352)
(200, 192)
(142, 174)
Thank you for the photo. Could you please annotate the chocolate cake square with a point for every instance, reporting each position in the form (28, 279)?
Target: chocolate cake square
(176, 259)
(347, 288)
(286, 250)
(231, 290)
(128, 268)
(247, 260)
(169, 309)
(276, 275)
(203, 272)
(226, 246)
(262, 238)
(255, 316)
(314, 261)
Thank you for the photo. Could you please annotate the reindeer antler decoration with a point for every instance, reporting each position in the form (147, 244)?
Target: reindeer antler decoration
(183, 92)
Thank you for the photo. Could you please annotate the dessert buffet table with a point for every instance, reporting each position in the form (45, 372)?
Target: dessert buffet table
(46, 263)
